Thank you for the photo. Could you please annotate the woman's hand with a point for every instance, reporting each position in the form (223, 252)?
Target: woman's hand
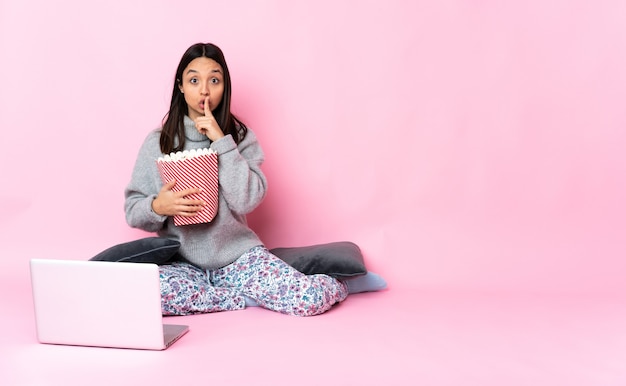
(207, 124)
(171, 203)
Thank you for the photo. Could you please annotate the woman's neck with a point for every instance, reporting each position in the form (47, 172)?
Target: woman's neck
(191, 133)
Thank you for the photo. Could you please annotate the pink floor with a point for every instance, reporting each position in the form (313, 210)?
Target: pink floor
(401, 336)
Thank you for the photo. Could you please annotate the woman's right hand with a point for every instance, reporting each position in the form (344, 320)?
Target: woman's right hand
(171, 203)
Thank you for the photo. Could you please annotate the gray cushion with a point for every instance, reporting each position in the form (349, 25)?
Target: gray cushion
(156, 250)
(337, 259)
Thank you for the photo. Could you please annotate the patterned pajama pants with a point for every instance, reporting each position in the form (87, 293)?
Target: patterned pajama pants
(257, 274)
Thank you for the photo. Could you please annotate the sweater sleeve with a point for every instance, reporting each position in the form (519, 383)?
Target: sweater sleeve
(242, 183)
(143, 188)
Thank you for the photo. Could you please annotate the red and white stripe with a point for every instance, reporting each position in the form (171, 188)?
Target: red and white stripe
(195, 172)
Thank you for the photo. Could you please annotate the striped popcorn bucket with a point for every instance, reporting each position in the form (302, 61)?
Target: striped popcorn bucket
(193, 172)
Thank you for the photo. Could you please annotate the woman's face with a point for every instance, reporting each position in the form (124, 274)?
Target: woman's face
(202, 78)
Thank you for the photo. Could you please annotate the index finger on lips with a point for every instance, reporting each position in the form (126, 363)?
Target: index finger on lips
(207, 108)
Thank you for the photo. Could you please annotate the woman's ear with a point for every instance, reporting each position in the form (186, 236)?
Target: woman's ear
(180, 86)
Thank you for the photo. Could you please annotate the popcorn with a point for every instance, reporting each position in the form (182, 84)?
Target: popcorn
(186, 154)
(196, 168)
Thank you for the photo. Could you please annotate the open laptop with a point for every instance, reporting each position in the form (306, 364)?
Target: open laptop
(97, 303)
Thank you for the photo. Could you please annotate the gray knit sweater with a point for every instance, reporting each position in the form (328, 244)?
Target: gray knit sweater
(242, 187)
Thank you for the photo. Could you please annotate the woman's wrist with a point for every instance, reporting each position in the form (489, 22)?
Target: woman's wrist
(153, 205)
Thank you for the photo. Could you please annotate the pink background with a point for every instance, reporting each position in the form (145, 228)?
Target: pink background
(465, 145)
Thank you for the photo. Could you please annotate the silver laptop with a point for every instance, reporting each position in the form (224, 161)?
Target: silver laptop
(104, 304)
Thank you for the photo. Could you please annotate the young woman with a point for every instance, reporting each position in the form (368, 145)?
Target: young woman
(223, 264)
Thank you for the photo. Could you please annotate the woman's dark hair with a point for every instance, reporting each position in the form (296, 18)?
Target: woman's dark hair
(173, 122)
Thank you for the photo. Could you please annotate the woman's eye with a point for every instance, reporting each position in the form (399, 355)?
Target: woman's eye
(193, 80)
(215, 81)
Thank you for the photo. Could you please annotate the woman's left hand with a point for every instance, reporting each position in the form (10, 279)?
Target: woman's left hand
(207, 124)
